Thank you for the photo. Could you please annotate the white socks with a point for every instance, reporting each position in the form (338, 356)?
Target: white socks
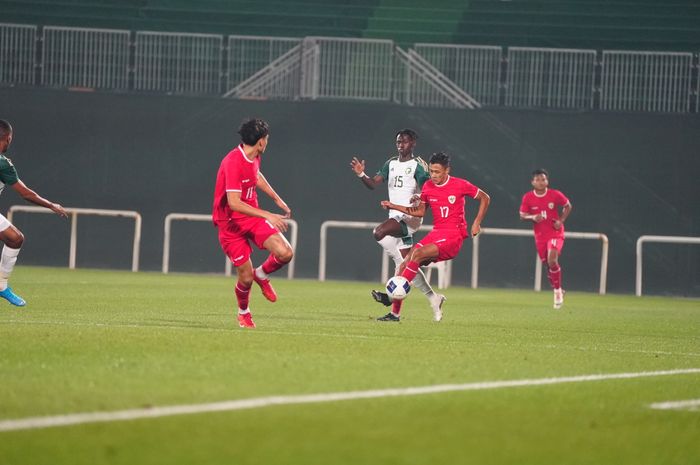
(7, 264)
(421, 283)
(260, 273)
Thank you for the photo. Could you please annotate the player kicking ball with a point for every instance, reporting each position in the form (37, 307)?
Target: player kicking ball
(446, 197)
(541, 206)
(241, 221)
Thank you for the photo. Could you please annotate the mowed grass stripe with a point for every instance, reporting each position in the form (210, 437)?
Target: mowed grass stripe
(244, 404)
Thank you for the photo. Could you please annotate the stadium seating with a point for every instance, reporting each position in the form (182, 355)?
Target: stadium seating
(598, 24)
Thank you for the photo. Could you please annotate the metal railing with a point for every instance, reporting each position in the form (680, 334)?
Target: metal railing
(17, 53)
(91, 58)
(167, 229)
(74, 212)
(646, 81)
(550, 78)
(178, 63)
(659, 239)
(476, 69)
(538, 265)
(431, 75)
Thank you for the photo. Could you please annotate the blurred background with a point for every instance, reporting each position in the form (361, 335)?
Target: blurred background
(131, 105)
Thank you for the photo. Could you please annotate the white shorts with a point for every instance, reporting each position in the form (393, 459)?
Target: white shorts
(4, 222)
(410, 224)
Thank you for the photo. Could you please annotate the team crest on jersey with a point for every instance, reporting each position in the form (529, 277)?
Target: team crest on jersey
(408, 170)
(550, 205)
(452, 199)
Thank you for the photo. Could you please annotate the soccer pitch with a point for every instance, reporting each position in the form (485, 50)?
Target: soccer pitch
(502, 379)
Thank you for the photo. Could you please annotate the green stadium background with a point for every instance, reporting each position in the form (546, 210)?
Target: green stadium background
(626, 175)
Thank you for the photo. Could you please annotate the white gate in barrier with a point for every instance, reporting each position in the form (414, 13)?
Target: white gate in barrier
(444, 268)
(661, 239)
(538, 266)
(74, 212)
(167, 227)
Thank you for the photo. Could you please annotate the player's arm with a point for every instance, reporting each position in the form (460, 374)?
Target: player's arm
(418, 210)
(565, 212)
(484, 202)
(267, 188)
(358, 167)
(236, 204)
(31, 196)
(534, 218)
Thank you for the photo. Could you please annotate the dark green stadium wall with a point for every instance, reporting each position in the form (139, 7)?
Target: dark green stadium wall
(626, 174)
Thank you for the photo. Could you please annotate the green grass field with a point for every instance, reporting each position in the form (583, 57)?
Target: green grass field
(99, 341)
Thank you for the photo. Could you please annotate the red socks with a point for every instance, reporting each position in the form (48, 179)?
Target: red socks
(554, 275)
(409, 273)
(272, 264)
(242, 295)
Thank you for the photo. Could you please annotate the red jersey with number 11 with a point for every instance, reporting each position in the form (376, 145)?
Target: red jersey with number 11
(237, 173)
(547, 205)
(447, 202)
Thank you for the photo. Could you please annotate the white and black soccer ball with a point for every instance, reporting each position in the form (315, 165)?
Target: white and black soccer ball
(398, 287)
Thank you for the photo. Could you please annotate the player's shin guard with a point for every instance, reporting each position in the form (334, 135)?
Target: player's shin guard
(272, 264)
(242, 295)
(396, 307)
(554, 275)
(7, 264)
(411, 270)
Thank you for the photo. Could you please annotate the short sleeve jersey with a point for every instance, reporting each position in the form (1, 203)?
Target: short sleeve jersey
(404, 178)
(548, 205)
(8, 173)
(447, 202)
(237, 173)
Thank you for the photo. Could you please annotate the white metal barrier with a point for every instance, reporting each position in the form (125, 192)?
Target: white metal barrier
(74, 212)
(167, 227)
(178, 62)
(17, 53)
(550, 78)
(661, 239)
(646, 81)
(538, 267)
(444, 268)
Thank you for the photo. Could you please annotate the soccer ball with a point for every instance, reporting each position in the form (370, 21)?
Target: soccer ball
(398, 287)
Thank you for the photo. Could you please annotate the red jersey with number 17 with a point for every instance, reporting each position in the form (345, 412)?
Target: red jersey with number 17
(237, 173)
(548, 205)
(447, 202)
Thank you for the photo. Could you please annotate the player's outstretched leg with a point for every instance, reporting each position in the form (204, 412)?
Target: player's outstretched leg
(8, 259)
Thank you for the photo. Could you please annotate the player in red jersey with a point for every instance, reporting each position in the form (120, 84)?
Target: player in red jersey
(445, 195)
(541, 206)
(241, 221)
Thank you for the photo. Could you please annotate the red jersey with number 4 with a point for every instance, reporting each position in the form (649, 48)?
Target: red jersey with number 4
(447, 201)
(548, 205)
(237, 173)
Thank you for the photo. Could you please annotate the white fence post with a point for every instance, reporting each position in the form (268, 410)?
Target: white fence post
(167, 228)
(74, 212)
(662, 239)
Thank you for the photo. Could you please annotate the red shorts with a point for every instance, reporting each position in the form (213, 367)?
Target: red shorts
(448, 243)
(545, 245)
(235, 237)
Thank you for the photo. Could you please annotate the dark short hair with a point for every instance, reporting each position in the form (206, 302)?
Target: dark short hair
(408, 132)
(539, 171)
(5, 128)
(440, 158)
(252, 130)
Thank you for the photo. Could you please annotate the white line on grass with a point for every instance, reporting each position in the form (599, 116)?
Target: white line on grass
(692, 404)
(243, 404)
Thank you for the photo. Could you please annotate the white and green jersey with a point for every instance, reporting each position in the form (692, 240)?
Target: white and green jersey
(405, 178)
(8, 173)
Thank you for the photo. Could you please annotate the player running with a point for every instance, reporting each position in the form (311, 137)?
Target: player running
(241, 221)
(9, 234)
(541, 206)
(405, 175)
(445, 195)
